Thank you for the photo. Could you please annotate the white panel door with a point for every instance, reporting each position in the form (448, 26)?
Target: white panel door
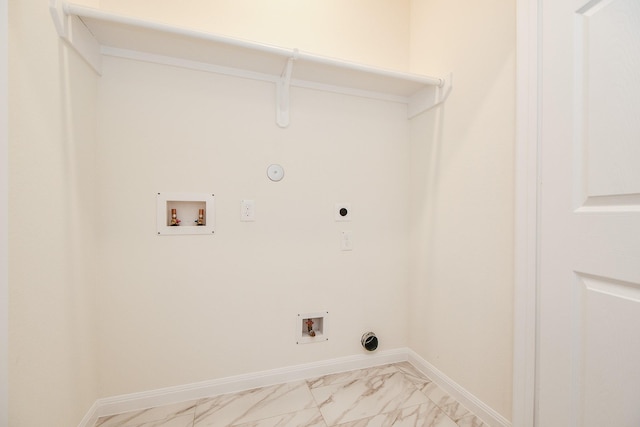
(589, 210)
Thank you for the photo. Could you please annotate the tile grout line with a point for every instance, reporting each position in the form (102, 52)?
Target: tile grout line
(326, 423)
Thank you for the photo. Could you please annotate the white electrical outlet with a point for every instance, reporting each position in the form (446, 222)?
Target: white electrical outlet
(247, 210)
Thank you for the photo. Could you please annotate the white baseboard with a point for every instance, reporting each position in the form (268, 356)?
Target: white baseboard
(90, 417)
(466, 399)
(169, 395)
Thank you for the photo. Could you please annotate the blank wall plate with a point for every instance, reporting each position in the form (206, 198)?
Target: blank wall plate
(247, 210)
(346, 241)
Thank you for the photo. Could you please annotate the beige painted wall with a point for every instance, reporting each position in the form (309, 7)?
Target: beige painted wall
(462, 196)
(179, 309)
(234, 297)
(52, 105)
(370, 32)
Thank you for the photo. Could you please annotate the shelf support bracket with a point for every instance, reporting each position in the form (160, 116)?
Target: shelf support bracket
(429, 97)
(282, 93)
(73, 31)
(58, 16)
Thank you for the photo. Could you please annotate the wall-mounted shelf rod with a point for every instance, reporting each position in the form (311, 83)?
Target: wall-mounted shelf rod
(94, 33)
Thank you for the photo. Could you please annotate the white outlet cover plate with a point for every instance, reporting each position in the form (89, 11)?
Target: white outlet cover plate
(346, 241)
(247, 210)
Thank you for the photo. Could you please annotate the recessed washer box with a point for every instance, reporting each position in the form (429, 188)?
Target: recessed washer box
(185, 213)
(312, 327)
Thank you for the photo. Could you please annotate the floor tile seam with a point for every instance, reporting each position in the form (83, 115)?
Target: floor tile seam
(397, 412)
(132, 418)
(326, 421)
(371, 368)
(193, 421)
(157, 420)
(400, 406)
(466, 412)
(274, 416)
(308, 380)
(436, 404)
(398, 409)
(439, 409)
(315, 401)
(280, 414)
(165, 418)
(444, 410)
(204, 401)
(482, 423)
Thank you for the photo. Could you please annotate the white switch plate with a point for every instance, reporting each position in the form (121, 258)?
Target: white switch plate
(247, 210)
(346, 241)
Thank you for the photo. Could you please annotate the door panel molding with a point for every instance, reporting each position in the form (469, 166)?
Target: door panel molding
(606, 94)
(605, 344)
(612, 203)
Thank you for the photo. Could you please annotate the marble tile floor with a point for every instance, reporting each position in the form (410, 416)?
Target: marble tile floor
(389, 395)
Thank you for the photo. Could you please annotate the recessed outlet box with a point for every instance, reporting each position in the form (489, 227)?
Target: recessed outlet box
(342, 212)
(185, 213)
(312, 327)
